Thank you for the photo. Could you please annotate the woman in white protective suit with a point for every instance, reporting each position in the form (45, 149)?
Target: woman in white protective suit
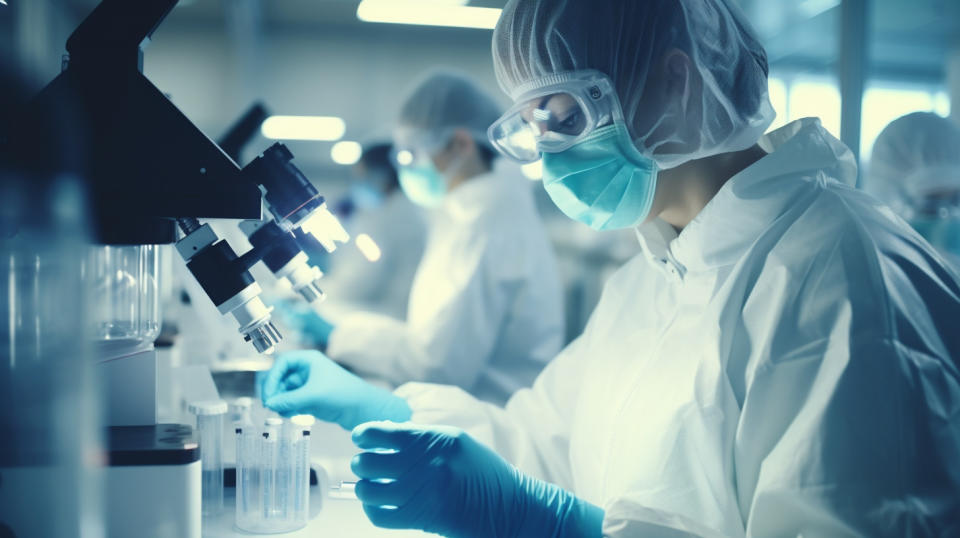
(485, 309)
(779, 360)
(915, 169)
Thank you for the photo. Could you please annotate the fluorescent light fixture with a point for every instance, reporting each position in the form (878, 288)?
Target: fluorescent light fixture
(428, 13)
(346, 152)
(327, 128)
(368, 247)
(533, 171)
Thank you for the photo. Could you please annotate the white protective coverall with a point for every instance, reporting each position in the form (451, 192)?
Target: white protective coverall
(485, 310)
(782, 368)
(399, 229)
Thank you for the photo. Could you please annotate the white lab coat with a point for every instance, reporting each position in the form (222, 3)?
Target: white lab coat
(399, 229)
(485, 310)
(782, 368)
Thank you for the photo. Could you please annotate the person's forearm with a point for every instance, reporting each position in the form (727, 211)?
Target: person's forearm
(381, 347)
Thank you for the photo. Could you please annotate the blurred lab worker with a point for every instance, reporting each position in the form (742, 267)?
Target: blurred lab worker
(485, 309)
(780, 360)
(915, 169)
(375, 271)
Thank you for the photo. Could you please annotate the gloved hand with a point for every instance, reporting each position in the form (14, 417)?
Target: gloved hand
(307, 382)
(302, 318)
(439, 479)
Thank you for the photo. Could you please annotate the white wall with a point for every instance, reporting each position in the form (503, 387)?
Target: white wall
(361, 73)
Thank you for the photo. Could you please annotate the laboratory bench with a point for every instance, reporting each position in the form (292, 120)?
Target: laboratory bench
(332, 513)
(328, 518)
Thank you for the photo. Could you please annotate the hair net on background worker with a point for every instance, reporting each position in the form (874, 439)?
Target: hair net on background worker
(443, 102)
(916, 156)
(626, 39)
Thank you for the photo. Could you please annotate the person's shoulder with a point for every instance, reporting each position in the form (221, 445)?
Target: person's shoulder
(841, 217)
(849, 252)
(868, 230)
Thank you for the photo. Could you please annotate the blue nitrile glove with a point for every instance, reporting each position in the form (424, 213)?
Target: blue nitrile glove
(308, 383)
(303, 319)
(438, 479)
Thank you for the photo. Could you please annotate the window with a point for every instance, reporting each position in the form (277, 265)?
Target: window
(799, 96)
(778, 98)
(881, 105)
(816, 98)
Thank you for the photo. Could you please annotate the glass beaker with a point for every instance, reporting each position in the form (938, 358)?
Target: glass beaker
(126, 298)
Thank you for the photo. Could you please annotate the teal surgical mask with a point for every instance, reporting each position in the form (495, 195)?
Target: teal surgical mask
(423, 183)
(602, 181)
(944, 234)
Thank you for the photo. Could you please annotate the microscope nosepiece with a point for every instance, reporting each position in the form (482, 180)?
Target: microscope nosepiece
(264, 337)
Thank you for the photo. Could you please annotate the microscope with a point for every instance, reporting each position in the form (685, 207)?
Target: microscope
(150, 176)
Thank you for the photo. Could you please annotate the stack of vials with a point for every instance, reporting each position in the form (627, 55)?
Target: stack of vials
(273, 476)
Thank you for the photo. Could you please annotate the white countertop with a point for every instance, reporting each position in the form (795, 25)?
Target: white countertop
(329, 518)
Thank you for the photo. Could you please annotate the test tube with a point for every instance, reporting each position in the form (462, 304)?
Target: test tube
(240, 411)
(301, 498)
(285, 462)
(240, 514)
(272, 476)
(210, 427)
(269, 460)
(248, 515)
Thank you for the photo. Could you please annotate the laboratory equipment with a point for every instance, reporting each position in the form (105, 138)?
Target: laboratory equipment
(210, 415)
(152, 481)
(280, 244)
(243, 131)
(139, 195)
(123, 120)
(225, 278)
(49, 408)
(273, 475)
(240, 409)
(285, 258)
(101, 124)
(345, 489)
(123, 321)
(126, 306)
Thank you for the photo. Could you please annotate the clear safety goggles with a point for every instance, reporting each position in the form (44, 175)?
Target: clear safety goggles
(555, 112)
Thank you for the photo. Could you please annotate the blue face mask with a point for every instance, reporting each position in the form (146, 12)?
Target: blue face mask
(602, 181)
(423, 184)
(944, 234)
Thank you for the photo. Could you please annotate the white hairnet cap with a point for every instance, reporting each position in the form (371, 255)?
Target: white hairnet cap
(913, 156)
(442, 102)
(625, 39)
